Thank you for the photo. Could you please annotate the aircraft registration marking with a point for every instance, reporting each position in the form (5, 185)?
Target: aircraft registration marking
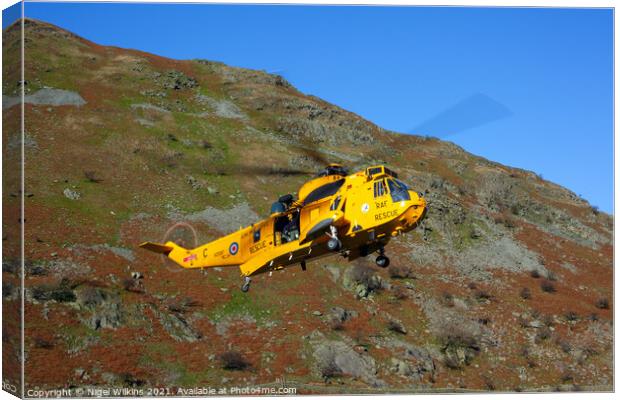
(258, 246)
(190, 258)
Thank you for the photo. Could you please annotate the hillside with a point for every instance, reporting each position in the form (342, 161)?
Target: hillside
(507, 285)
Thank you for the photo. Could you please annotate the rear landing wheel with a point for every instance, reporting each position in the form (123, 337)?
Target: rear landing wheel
(246, 284)
(382, 261)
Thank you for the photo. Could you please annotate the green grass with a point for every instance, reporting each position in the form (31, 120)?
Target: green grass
(78, 336)
(156, 353)
(125, 102)
(190, 379)
(242, 304)
(464, 231)
(65, 66)
(92, 208)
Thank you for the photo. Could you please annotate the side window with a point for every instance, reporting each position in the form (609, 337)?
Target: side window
(256, 235)
(380, 188)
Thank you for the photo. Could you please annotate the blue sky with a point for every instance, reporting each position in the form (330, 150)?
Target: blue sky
(542, 77)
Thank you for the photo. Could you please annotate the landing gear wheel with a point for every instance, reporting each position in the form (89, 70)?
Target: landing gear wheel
(246, 284)
(382, 261)
(333, 244)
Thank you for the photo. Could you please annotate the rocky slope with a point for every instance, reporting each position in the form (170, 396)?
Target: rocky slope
(506, 286)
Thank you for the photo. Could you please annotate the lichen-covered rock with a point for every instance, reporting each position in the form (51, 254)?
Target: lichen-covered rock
(342, 315)
(176, 80)
(71, 194)
(9, 291)
(227, 220)
(61, 292)
(221, 108)
(234, 75)
(334, 358)
(46, 96)
(177, 326)
(102, 308)
(363, 280)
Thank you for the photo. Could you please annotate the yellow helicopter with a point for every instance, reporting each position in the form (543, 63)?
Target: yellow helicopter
(353, 215)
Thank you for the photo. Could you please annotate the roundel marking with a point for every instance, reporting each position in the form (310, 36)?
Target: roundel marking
(365, 208)
(234, 248)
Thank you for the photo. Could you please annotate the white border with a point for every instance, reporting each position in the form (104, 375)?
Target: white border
(478, 3)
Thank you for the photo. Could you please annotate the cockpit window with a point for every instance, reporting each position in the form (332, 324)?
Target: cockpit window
(402, 184)
(380, 189)
(398, 190)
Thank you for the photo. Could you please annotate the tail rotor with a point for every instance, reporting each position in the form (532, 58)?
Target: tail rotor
(182, 234)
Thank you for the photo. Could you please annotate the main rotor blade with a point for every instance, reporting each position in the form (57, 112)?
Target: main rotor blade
(315, 155)
(254, 170)
(471, 112)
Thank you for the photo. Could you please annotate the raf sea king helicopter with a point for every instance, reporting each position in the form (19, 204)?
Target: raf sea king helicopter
(353, 215)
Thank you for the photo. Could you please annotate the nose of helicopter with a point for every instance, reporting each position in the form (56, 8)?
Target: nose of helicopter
(417, 199)
(415, 212)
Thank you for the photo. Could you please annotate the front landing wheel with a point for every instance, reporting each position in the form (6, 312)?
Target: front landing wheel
(383, 261)
(333, 244)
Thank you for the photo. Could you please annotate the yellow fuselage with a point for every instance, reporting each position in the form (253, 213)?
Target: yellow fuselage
(364, 210)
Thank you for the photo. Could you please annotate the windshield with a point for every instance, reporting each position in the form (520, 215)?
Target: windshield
(398, 190)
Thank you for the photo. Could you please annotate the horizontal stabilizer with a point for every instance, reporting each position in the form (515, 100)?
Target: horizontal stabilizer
(157, 247)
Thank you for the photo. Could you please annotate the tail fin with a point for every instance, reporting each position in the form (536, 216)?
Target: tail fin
(157, 247)
(186, 258)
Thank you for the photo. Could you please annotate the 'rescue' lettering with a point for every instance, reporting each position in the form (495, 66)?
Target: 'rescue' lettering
(385, 215)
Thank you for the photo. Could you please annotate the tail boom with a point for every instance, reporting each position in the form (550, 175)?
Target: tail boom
(227, 251)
